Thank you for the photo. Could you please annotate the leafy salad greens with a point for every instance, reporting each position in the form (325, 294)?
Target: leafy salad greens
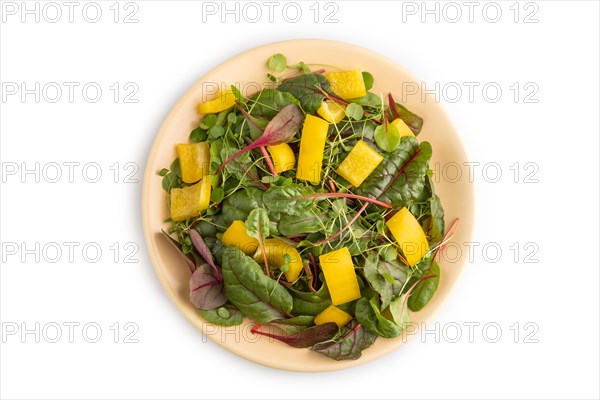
(309, 208)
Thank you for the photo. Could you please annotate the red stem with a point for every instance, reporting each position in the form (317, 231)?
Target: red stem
(346, 195)
(263, 150)
(344, 228)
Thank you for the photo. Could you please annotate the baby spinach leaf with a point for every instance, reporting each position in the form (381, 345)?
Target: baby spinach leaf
(370, 316)
(288, 199)
(354, 111)
(387, 137)
(306, 338)
(349, 345)
(310, 303)
(437, 218)
(239, 204)
(268, 102)
(257, 224)
(309, 89)
(256, 295)
(226, 315)
(386, 277)
(206, 289)
(308, 222)
(278, 62)
(423, 292)
(400, 177)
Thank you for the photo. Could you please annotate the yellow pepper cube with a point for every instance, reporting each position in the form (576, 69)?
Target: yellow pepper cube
(403, 129)
(410, 236)
(340, 276)
(283, 157)
(187, 202)
(359, 164)
(236, 235)
(221, 103)
(332, 111)
(277, 252)
(312, 146)
(333, 314)
(194, 160)
(347, 84)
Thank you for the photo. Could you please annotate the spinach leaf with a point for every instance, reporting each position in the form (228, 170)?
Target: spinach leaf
(400, 177)
(309, 89)
(370, 316)
(257, 224)
(308, 222)
(295, 324)
(386, 277)
(349, 345)
(240, 203)
(310, 303)
(259, 297)
(423, 292)
(437, 219)
(206, 289)
(268, 102)
(226, 315)
(289, 199)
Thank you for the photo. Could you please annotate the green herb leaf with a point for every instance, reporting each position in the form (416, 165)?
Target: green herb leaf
(256, 295)
(226, 315)
(198, 135)
(163, 172)
(354, 111)
(307, 222)
(294, 325)
(278, 62)
(368, 78)
(240, 203)
(289, 199)
(386, 277)
(387, 137)
(217, 195)
(257, 224)
(238, 95)
(370, 316)
(424, 291)
(304, 68)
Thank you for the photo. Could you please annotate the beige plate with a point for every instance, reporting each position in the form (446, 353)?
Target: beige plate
(248, 71)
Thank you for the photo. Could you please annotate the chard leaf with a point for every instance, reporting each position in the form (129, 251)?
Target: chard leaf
(268, 102)
(257, 296)
(288, 199)
(257, 224)
(400, 177)
(306, 338)
(310, 303)
(294, 325)
(206, 289)
(423, 292)
(386, 277)
(226, 315)
(309, 89)
(414, 122)
(437, 219)
(239, 204)
(350, 344)
(370, 316)
(308, 222)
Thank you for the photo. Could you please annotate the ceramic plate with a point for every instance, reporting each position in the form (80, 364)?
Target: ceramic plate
(248, 71)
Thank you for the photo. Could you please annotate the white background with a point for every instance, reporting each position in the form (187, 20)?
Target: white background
(169, 49)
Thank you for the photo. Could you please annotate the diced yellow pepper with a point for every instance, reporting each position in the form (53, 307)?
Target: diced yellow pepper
(332, 111)
(340, 276)
(222, 102)
(333, 314)
(187, 202)
(347, 84)
(410, 236)
(403, 129)
(236, 235)
(276, 250)
(359, 164)
(312, 146)
(283, 157)
(194, 160)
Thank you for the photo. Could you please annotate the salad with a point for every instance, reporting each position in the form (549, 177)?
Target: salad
(307, 207)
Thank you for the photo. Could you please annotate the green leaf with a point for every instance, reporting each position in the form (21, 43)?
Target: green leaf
(217, 195)
(272, 78)
(307, 222)
(290, 199)
(386, 277)
(310, 303)
(368, 78)
(354, 111)
(424, 291)
(437, 218)
(387, 137)
(226, 315)
(304, 68)
(400, 177)
(216, 132)
(198, 135)
(349, 345)
(257, 296)
(369, 100)
(370, 316)
(238, 95)
(240, 203)
(309, 89)
(257, 224)
(295, 324)
(278, 62)
(163, 172)
(399, 312)
(209, 121)
(268, 102)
